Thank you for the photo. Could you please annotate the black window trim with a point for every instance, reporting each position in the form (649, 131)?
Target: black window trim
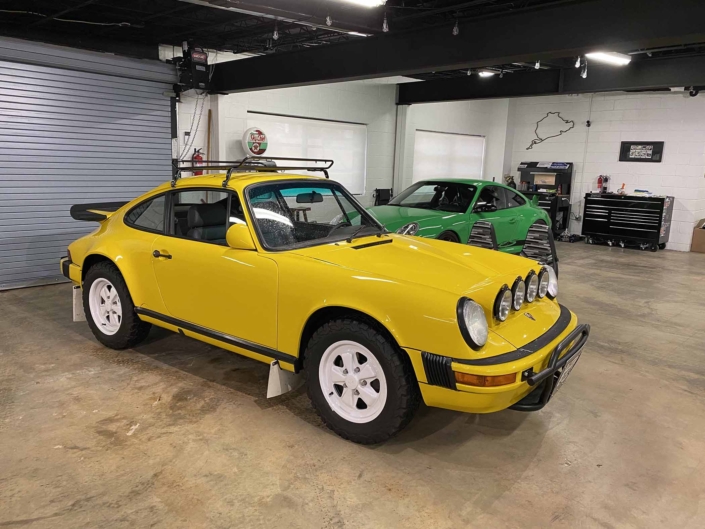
(150, 199)
(305, 182)
(508, 190)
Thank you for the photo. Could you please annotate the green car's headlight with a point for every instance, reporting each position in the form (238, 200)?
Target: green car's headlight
(409, 229)
(472, 322)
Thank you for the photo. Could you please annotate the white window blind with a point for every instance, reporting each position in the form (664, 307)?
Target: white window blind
(445, 155)
(345, 143)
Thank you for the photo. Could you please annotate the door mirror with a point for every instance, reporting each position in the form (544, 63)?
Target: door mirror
(239, 237)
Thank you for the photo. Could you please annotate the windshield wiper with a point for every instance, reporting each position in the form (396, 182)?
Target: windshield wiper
(354, 234)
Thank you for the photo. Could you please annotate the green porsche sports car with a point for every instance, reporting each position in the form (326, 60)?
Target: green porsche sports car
(450, 210)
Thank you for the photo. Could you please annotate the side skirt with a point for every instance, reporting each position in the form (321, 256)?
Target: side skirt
(222, 337)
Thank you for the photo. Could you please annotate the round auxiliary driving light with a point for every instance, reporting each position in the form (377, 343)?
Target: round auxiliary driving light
(532, 286)
(473, 324)
(518, 293)
(552, 283)
(544, 279)
(503, 303)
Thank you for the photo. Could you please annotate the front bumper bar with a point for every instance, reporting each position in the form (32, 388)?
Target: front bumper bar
(545, 380)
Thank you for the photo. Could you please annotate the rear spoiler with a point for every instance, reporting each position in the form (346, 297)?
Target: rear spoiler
(97, 211)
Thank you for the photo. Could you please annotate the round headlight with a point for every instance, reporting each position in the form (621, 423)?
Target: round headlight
(409, 229)
(532, 286)
(552, 283)
(544, 279)
(503, 303)
(518, 293)
(472, 321)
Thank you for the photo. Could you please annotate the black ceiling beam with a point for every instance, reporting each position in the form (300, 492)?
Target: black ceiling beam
(562, 30)
(650, 74)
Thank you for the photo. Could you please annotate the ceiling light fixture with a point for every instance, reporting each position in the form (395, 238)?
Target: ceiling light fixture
(610, 57)
(357, 34)
(275, 35)
(469, 72)
(385, 24)
(329, 21)
(537, 65)
(501, 74)
(368, 3)
(583, 72)
(577, 62)
(456, 29)
(486, 73)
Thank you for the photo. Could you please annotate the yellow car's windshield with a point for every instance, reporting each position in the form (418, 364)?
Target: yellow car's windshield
(296, 214)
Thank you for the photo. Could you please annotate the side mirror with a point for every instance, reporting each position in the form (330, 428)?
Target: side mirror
(239, 237)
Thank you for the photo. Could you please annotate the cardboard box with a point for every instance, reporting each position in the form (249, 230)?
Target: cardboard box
(698, 242)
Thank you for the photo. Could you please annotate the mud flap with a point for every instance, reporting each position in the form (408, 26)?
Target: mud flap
(281, 381)
(78, 314)
(540, 246)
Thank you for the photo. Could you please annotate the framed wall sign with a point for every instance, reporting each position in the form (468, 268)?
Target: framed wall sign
(641, 151)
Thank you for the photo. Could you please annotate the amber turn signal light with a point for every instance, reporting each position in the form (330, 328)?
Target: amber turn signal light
(485, 381)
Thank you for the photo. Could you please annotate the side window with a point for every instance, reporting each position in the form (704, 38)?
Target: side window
(148, 215)
(200, 215)
(514, 200)
(491, 198)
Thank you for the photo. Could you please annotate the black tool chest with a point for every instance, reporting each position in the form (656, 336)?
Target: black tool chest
(557, 207)
(627, 220)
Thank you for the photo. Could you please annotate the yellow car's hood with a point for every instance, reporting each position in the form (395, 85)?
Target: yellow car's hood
(442, 265)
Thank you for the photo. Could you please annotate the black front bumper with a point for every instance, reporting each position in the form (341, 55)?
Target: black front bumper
(545, 380)
(65, 263)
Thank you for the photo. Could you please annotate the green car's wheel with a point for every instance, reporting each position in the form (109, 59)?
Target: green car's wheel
(359, 382)
(449, 236)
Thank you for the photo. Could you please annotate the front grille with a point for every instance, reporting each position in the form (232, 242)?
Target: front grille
(438, 371)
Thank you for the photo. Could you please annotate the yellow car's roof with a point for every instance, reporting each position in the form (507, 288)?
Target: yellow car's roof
(238, 181)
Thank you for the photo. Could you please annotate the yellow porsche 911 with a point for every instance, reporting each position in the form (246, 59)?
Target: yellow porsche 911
(292, 271)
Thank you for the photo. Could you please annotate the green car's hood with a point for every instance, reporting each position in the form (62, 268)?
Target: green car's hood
(430, 222)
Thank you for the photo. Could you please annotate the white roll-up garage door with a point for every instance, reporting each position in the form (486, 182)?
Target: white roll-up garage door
(69, 137)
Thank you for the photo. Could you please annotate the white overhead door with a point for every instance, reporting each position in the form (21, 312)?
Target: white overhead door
(71, 137)
(447, 155)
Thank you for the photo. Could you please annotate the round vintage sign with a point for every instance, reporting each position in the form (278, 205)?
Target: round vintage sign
(254, 141)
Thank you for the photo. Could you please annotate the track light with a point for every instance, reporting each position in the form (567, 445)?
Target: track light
(456, 29)
(329, 21)
(501, 74)
(469, 72)
(610, 57)
(385, 24)
(537, 65)
(583, 72)
(486, 73)
(577, 63)
(275, 35)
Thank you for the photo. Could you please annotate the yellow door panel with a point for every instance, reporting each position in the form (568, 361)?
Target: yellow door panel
(214, 286)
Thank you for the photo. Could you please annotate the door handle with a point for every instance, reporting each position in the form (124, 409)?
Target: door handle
(513, 221)
(157, 254)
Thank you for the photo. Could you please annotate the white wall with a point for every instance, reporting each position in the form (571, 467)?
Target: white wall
(677, 120)
(357, 102)
(484, 118)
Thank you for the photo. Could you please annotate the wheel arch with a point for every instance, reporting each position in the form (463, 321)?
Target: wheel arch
(331, 313)
(452, 231)
(93, 259)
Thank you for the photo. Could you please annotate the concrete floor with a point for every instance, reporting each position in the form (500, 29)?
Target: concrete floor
(179, 434)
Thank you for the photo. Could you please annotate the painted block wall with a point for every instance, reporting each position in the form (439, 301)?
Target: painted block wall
(484, 118)
(676, 119)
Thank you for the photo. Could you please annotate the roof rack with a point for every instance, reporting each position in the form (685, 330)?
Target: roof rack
(249, 163)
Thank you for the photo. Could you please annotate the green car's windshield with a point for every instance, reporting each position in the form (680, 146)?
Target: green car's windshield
(441, 196)
(296, 214)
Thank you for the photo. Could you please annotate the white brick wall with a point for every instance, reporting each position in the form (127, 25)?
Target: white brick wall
(677, 120)
(359, 102)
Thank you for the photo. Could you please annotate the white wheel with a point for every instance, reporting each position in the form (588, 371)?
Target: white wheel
(105, 305)
(352, 381)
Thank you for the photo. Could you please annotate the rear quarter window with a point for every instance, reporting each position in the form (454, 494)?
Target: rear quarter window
(148, 215)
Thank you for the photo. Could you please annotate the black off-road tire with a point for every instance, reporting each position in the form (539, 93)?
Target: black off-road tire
(402, 388)
(132, 330)
(449, 236)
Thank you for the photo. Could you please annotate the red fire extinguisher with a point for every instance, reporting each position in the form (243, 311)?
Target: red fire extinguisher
(599, 184)
(197, 159)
